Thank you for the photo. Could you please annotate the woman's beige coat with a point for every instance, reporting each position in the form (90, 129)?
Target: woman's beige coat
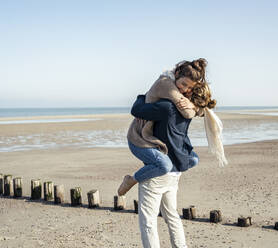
(140, 132)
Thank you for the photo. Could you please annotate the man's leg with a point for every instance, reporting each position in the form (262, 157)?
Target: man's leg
(148, 210)
(171, 216)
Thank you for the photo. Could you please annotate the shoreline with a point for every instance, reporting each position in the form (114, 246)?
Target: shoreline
(42, 117)
(109, 130)
(122, 146)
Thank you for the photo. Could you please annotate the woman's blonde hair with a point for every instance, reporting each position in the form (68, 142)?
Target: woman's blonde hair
(201, 96)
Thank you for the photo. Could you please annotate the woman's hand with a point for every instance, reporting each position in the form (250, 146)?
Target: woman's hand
(184, 103)
(141, 121)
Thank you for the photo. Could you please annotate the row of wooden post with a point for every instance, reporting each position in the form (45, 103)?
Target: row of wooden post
(13, 187)
(216, 217)
(9, 187)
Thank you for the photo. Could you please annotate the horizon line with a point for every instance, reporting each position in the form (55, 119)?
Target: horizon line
(226, 106)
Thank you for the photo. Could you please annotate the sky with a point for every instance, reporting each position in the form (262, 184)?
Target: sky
(105, 53)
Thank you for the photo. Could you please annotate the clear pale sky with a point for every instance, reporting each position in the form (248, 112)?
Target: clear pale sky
(105, 53)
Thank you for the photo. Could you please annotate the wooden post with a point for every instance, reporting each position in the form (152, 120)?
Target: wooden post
(48, 191)
(244, 222)
(59, 194)
(93, 198)
(186, 213)
(276, 225)
(8, 185)
(119, 202)
(193, 212)
(76, 196)
(17, 187)
(189, 213)
(1, 184)
(215, 216)
(36, 189)
(135, 206)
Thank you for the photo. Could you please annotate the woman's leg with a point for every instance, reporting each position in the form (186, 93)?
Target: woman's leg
(156, 162)
(193, 159)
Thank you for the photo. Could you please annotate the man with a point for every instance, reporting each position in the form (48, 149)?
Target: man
(160, 193)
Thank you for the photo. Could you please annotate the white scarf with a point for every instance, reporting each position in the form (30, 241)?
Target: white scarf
(213, 127)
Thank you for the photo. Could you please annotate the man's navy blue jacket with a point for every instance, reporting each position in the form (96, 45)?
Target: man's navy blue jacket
(170, 127)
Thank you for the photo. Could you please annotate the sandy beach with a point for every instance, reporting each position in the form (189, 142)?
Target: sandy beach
(247, 186)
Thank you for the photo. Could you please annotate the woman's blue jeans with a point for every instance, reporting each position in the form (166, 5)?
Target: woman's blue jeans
(156, 162)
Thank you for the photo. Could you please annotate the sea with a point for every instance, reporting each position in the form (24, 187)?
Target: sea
(233, 133)
(31, 112)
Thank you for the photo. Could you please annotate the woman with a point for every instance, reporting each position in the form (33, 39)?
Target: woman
(142, 143)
